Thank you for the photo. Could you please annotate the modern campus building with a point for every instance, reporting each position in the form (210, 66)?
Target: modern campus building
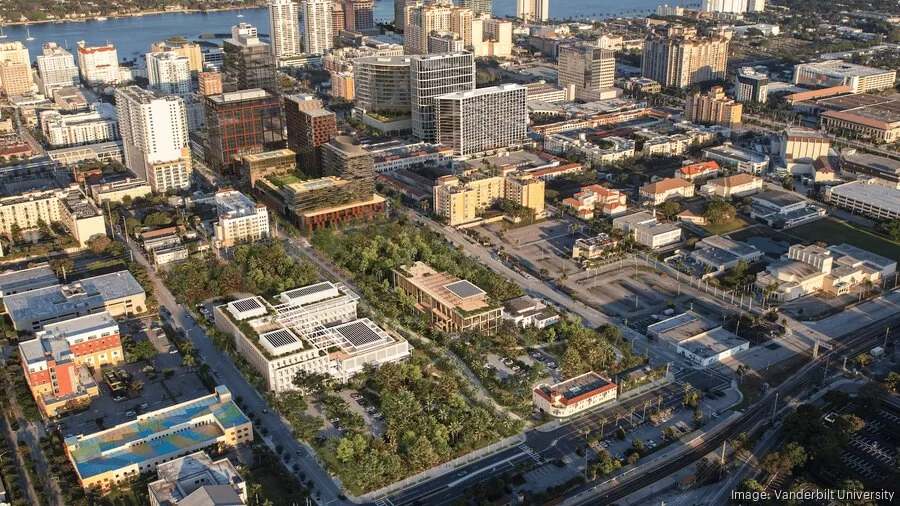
(866, 197)
(574, 395)
(883, 170)
(155, 137)
(196, 480)
(870, 117)
(454, 305)
(525, 311)
(67, 130)
(56, 361)
(431, 76)
(257, 166)
(721, 253)
(830, 73)
(128, 450)
(284, 28)
(679, 58)
(117, 190)
(117, 293)
(479, 120)
(313, 328)
(318, 30)
(809, 269)
(461, 202)
(383, 96)
(592, 248)
(98, 65)
(585, 70)
(308, 129)
(751, 85)
(26, 280)
(240, 219)
(169, 73)
(783, 210)
(712, 107)
(595, 149)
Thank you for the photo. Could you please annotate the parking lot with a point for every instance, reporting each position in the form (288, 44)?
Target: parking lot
(156, 393)
(872, 451)
(544, 245)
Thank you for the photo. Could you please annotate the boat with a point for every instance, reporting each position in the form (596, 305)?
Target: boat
(28, 34)
(240, 13)
(100, 18)
(2, 35)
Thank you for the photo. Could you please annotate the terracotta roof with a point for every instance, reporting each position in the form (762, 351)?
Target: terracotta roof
(665, 185)
(854, 118)
(827, 92)
(699, 168)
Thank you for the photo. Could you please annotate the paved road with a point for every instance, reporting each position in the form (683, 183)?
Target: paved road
(226, 373)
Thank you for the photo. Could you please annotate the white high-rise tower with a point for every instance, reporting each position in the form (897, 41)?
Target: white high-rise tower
(284, 27)
(318, 33)
(169, 73)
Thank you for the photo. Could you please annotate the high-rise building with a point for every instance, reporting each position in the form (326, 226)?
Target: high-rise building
(478, 120)
(681, 58)
(712, 107)
(16, 78)
(432, 76)
(169, 73)
(247, 64)
(533, 10)
(318, 33)
(209, 83)
(183, 47)
(14, 52)
(360, 14)
(585, 70)
(751, 85)
(284, 28)
(98, 64)
(400, 14)
(382, 84)
(344, 158)
(56, 69)
(309, 126)
(733, 6)
(154, 137)
(338, 18)
(478, 6)
(491, 37)
(424, 19)
(240, 123)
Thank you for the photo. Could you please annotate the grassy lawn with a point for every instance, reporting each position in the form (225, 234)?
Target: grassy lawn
(725, 228)
(835, 232)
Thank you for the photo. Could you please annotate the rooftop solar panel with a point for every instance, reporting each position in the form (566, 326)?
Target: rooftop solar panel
(308, 290)
(464, 289)
(247, 304)
(279, 338)
(359, 333)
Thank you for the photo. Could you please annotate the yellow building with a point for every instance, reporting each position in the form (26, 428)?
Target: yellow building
(461, 200)
(183, 48)
(713, 107)
(126, 451)
(16, 78)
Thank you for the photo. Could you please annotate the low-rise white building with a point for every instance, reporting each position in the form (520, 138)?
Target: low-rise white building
(738, 185)
(737, 158)
(607, 150)
(782, 210)
(313, 329)
(528, 312)
(647, 230)
(665, 189)
(116, 191)
(66, 130)
(697, 339)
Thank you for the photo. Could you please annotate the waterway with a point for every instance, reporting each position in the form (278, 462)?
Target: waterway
(132, 36)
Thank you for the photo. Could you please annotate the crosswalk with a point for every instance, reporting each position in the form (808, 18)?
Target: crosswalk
(384, 502)
(527, 450)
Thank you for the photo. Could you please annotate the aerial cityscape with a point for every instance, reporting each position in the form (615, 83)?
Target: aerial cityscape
(449, 252)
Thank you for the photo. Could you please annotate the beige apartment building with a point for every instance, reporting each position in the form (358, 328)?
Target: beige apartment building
(461, 202)
(712, 107)
(679, 57)
(240, 219)
(67, 206)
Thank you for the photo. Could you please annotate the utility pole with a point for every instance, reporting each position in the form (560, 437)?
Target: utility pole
(886, 332)
(825, 374)
(723, 453)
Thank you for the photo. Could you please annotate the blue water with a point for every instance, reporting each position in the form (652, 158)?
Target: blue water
(133, 36)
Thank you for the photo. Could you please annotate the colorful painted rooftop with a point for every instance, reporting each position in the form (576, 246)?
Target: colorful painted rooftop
(158, 433)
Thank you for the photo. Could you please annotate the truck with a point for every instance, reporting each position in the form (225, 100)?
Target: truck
(877, 352)
(669, 312)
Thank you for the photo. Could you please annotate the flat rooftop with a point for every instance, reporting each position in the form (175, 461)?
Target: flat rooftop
(737, 153)
(81, 325)
(712, 343)
(360, 335)
(876, 194)
(180, 478)
(680, 327)
(779, 199)
(234, 204)
(278, 153)
(23, 280)
(840, 67)
(50, 301)
(156, 434)
(579, 387)
(874, 162)
(873, 260)
(447, 288)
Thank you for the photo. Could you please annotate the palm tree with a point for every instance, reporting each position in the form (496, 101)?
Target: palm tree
(659, 400)
(253, 490)
(603, 421)
(644, 413)
(454, 428)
